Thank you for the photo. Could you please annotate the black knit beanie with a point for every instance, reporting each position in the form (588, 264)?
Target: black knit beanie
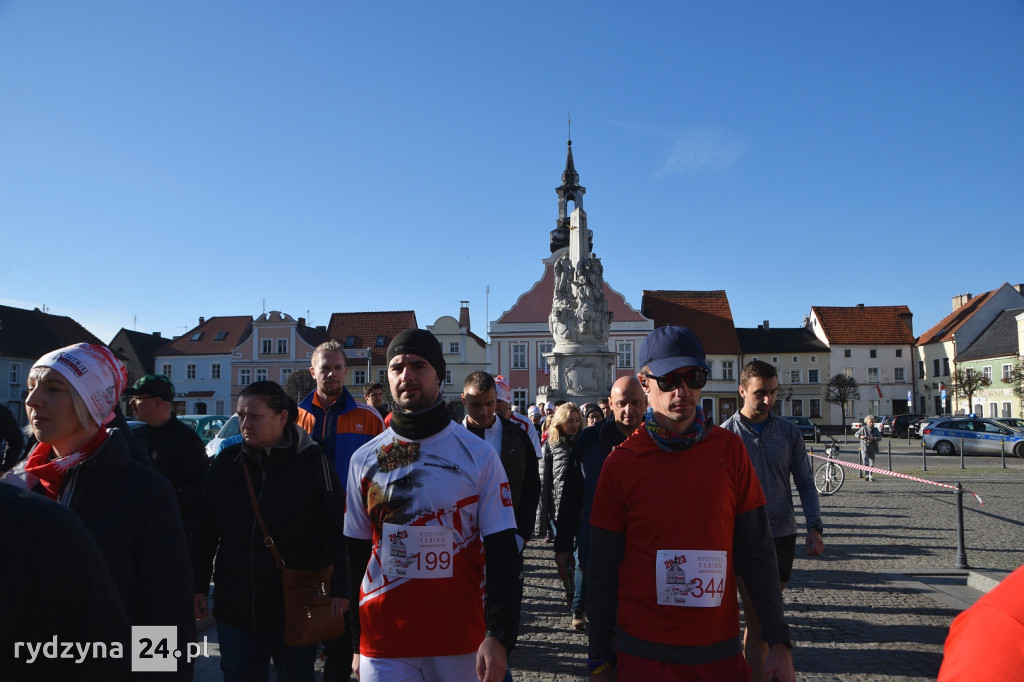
(422, 343)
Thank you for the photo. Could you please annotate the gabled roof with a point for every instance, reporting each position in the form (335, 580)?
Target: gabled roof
(364, 328)
(998, 340)
(215, 336)
(782, 340)
(33, 333)
(143, 345)
(707, 313)
(948, 325)
(858, 325)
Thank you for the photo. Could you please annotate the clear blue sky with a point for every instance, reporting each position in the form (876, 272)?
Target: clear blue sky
(162, 161)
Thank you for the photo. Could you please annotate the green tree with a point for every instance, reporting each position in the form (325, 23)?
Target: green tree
(299, 384)
(1016, 379)
(842, 390)
(967, 382)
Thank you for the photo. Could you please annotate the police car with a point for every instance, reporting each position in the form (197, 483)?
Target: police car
(979, 436)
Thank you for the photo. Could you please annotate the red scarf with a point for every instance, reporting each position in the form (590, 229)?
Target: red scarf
(50, 472)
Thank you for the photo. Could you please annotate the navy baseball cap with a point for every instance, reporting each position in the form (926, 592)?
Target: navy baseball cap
(669, 348)
(156, 385)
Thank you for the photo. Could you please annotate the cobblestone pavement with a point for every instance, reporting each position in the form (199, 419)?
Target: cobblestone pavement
(876, 607)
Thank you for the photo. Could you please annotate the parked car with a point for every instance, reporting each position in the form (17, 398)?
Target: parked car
(206, 425)
(900, 424)
(229, 429)
(979, 436)
(917, 428)
(1012, 422)
(807, 428)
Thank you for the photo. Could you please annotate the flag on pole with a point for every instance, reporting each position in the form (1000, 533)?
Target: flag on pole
(878, 388)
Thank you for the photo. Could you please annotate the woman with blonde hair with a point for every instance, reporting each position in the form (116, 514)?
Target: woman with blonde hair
(562, 428)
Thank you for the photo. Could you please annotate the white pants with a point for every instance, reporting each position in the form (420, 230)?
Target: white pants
(428, 669)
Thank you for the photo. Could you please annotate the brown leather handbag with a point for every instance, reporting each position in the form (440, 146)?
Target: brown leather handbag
(307, 592)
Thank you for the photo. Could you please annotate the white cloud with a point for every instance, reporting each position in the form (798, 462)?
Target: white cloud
(694, 150)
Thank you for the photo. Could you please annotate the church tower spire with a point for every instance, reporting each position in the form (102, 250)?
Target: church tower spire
(570, 191)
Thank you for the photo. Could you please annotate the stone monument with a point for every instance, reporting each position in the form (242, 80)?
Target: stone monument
(581, 366)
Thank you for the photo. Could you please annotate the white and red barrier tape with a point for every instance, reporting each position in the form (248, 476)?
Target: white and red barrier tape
(886, 472)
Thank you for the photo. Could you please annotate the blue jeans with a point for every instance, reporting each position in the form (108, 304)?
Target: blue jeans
(245, 656)
(579, 598)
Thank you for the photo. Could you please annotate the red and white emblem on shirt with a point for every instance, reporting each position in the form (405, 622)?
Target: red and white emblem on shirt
(506, 495)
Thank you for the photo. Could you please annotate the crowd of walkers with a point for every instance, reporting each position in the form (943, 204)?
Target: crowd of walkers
(661, 523)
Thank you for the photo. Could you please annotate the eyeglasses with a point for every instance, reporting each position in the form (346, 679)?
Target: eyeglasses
(694, 378)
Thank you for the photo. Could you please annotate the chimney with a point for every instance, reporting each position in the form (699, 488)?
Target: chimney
(860, 305)
(322, 329)
(908, 320)
(765, 326)
(464, 315)
(961, 300)
(302, 322)
(202, 320)
(156, 334)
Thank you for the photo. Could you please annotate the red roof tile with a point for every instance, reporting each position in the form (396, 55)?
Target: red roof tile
(217, 336)
(707, 313)
(860, 324)
(948, 325)
(366, 327)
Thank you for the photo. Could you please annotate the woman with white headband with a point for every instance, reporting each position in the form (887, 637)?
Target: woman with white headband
(130, 510)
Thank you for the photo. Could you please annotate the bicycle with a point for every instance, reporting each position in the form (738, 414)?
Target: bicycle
(829, 477)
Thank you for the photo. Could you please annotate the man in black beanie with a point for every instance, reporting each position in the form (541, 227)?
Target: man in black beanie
(423, 499)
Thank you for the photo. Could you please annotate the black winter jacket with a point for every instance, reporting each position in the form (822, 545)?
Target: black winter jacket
(556, 460)
(302, 503)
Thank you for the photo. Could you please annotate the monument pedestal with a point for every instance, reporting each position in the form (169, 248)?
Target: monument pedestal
(579, 375)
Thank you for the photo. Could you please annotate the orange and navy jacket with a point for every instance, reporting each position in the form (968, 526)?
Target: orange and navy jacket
(345, 427)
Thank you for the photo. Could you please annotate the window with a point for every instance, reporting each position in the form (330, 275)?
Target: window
(447, 377)
(815, 408)
(519, 360)
(945, 367)
(794, 377)
(219, 406)
(873, 353)
(15, 373)
(987, 371)
(196, 336)
(215, 372)
(453, 347)
(727, 370)
(873, 409)
(899, 374)
(261, 374)
(1006, 410)
(542, 348)
(282, 346)
(244, 377)
(625, 351)
(797, 407)
(379, 343)
(899, 352)
(993, 409)
(814, 359)
(350, 341)
(359, 377)
(1006, 371)
(166, 371)
(872, 375)
(796, 360)
(847, 353)
(812, 376)
(848, 408)
(190, 371)
(382, 376)
(775, 360)
(936, 368)
(267, 345)
(220, 336)
(848, 372)
(285, 373)
(519, 399)
(920, 369)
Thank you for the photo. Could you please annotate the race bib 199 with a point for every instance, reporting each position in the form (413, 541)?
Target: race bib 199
(690, 577)
(417, 551)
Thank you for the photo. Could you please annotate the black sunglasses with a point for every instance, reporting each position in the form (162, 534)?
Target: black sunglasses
(694, 378)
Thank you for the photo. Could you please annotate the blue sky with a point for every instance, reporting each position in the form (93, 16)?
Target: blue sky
(164, 161)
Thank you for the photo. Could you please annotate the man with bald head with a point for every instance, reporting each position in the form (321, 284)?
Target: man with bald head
(627, 403)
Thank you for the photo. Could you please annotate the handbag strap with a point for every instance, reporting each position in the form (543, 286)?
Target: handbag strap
(267, 540)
